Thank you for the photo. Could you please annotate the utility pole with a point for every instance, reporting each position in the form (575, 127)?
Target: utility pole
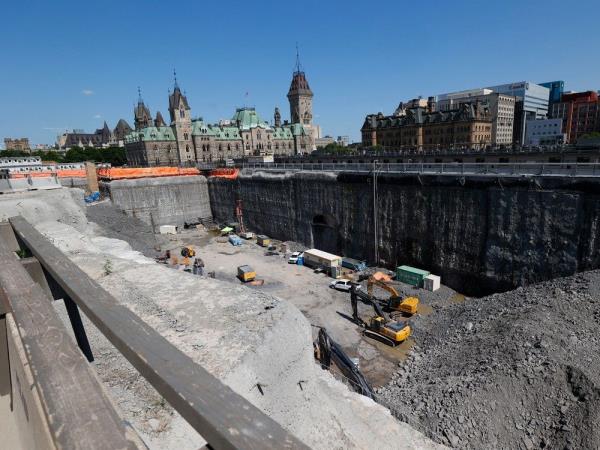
(375, 224)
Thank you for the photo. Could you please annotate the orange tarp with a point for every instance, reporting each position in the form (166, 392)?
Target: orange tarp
(32, 174)
(119, 173)
(231, 174)
(61, 173)
(73, 173)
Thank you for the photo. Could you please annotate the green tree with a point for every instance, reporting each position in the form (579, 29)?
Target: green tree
(592, 135)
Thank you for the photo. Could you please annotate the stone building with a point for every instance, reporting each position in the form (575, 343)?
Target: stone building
(21, 144)
(501, 108)
(468, 127)
(101, 138)
(187, 141)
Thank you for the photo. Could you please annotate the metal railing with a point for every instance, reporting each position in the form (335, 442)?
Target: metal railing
(490, 169)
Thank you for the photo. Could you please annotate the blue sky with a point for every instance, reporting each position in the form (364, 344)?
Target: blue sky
(74, 64)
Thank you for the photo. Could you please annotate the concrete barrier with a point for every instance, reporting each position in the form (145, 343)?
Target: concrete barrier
(162, 201)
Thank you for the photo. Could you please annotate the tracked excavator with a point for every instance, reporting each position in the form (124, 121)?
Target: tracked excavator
(407, 306)
(378, 326)
(329, 351)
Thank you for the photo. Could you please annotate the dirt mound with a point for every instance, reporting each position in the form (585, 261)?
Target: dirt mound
(519, 369)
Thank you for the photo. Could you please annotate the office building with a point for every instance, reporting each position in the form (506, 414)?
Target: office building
(500, 106)
(534, 104)
(544, 132)
(580, 114)
(557, 89)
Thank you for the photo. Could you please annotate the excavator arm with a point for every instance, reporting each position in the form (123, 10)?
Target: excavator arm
(383, 285)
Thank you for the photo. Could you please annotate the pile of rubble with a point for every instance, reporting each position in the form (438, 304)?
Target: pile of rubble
(519, 369)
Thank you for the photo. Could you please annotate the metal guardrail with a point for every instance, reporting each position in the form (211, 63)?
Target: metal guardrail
(222, 417)
(490, 169)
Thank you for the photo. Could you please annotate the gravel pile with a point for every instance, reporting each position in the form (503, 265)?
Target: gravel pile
(115, 223)
(517, 370)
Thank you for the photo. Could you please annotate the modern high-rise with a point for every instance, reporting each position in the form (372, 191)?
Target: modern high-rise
(557, 88)
(534, 99)
(500, 106)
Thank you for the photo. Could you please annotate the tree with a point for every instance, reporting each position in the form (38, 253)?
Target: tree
(592, 135)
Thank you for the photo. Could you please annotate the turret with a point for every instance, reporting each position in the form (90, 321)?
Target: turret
(277, 117)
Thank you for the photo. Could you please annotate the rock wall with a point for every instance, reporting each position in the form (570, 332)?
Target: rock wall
(162, 201)
(480, 234)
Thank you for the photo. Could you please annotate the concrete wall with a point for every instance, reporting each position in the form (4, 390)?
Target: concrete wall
(162, 201)
(480, 234)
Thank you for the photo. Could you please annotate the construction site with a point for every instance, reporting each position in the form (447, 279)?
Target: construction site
(172, 308)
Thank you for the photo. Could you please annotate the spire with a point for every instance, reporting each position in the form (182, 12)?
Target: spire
(298, 67)
(175, 78)
(140, 95)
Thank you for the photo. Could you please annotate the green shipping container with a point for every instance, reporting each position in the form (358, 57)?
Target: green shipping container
(411, 275)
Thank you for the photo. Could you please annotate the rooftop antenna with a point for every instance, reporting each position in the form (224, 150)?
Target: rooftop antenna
(298, 66)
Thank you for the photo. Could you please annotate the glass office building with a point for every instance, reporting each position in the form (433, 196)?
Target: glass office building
(557, 88)
(534, 100)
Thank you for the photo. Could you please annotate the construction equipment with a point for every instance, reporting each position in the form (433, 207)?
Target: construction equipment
(188, 252)
(246, 273)
(407, 306)
(378, 327)
(327, 350)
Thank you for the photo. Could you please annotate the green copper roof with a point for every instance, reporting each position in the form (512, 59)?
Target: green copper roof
(223, 133)
(282, 133)
(151, 134)
(297, 129)
(247, 118)
(199, 128)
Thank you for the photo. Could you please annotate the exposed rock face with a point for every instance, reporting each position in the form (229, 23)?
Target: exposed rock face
(162, 201)
(480, 234)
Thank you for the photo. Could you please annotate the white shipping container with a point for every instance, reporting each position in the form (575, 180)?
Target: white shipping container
(431, 282)
(168, 229)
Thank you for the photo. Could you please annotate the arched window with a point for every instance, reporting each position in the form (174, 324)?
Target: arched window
(187, 148)
(181, 113)
(185, 136)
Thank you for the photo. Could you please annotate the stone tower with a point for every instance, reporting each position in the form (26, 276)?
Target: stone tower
(277, 117)
(300, 96)
(141, 114)
(181, 122)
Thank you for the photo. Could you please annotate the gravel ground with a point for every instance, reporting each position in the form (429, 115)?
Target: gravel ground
(517, 370)
(114, 223)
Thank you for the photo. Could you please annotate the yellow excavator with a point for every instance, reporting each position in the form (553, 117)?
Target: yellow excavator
(188, 251)
(407, 306)
(378, 327)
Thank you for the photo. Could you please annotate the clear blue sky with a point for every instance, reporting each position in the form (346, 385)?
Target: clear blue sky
(73, 64)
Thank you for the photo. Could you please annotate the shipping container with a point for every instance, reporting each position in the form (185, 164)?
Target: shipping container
(411, 275)
(320, 259)
(432, 282)
(263, 240)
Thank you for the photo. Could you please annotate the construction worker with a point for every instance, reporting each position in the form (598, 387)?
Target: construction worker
(198, 266)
